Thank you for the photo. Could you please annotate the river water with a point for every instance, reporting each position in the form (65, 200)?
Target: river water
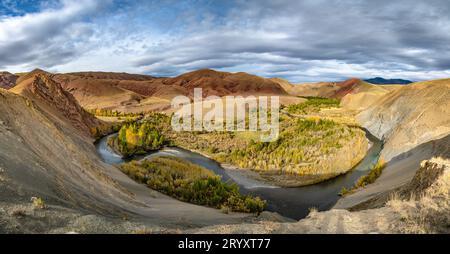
(289, 202)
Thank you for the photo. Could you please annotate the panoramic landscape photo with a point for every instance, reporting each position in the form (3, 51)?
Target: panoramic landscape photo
(224, 117)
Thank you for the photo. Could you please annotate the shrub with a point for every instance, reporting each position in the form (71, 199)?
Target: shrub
(374, 173)
(38, 203)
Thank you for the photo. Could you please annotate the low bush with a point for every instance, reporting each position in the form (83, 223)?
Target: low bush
(374, 173)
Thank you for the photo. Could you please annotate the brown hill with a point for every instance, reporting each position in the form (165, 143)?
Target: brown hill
(212, 82)
(410, 116)
(7, 80)
(324, 89)
(320, 89)
(111, 75)
(45, 92)
(346, 87)
(225, 83)
(27, 75)
(130, 92)
(421, 206)
(42, 155)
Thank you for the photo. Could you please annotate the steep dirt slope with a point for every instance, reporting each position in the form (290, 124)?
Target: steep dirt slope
(42, 155)
(410, 116)
(7, 80)
(43, 90)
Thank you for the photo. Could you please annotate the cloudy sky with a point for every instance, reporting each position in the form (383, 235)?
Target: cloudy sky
(301, 41)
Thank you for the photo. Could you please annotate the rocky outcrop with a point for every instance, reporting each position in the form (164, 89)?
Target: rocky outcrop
(7, 80)
(43, 90)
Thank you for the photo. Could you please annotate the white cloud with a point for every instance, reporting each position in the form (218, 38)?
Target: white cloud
(298, 40)
(46, 38)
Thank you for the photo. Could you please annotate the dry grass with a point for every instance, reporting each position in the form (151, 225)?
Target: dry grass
(427, 211)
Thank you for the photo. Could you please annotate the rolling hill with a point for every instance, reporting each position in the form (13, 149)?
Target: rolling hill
(410, 116)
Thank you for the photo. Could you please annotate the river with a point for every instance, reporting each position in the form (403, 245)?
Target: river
(289, 202)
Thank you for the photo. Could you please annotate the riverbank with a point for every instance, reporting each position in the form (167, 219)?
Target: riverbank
(293, 203)
(254, 178)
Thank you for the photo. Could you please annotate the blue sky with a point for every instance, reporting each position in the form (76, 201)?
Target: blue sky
(302, 41)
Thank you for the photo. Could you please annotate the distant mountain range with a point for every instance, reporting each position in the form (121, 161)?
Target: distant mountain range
(383, 81)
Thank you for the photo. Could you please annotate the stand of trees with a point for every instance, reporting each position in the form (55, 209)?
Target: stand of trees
(191, 183)
(313, 105)
(136, 137)
(112, 113)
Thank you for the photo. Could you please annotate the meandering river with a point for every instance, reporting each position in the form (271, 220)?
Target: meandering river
(289, 202)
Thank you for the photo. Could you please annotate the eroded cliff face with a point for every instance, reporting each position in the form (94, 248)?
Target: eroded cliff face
(43, 90)
(409, 116)
(363, 96)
